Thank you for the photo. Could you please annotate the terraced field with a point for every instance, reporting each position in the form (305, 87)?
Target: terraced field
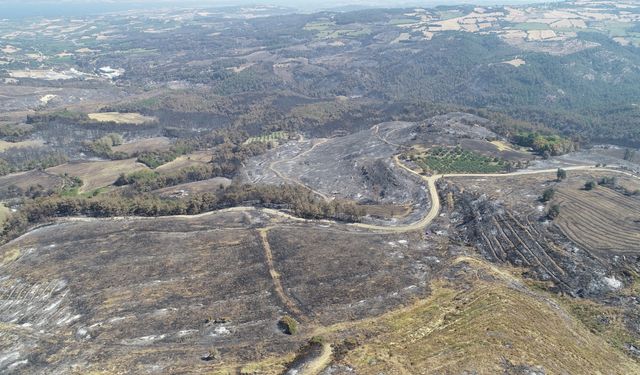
(600, 220)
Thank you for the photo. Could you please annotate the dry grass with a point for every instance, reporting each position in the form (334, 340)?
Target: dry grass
(24, 180)
(121, 118)
(190, 160)
(4, 145)
(98, 174)
(475, 329)
(4, 213)
(144, 145)
(503, 146)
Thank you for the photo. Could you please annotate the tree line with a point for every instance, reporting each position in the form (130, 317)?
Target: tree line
(299, 201)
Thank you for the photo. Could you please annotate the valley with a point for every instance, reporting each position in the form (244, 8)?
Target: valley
(263, 190)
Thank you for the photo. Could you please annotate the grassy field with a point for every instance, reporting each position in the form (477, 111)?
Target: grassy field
(144, 145)
(456, 160)
(4, 145)
(331, 30)
(120, 118)
(24, 180)
(98, 174)
(494, 322)
(189, 160)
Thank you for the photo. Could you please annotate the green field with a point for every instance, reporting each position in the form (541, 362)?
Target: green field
(271, 137)
(326, 29)
(456, 160)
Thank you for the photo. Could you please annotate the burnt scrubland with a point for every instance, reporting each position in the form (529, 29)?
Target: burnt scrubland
(254, 190)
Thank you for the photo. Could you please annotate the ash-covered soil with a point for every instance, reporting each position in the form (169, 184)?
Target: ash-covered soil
(576, 254)
(360, 166)
(158, 295)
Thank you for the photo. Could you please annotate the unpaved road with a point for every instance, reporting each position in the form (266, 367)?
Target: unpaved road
(318, 364)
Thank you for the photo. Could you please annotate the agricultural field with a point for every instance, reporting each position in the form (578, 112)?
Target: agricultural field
(193, 159)
(274, 137)
(456, 160)
(601, 220)
(144, 145)
(121, 118)
(98, 174)
(329, 30)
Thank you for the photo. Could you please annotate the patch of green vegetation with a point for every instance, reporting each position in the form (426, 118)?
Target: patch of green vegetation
(271, 137)
(155, 159)
(544, 144)
(457, 160)
(102, 147)
(71, 187)
(326, 29)
(617, 29)
(319, 26)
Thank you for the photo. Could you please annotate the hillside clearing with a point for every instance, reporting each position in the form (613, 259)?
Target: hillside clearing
(144, 145)
(97, 174)
(121, 118)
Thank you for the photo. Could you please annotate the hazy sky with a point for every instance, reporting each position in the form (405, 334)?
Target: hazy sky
(29, 8)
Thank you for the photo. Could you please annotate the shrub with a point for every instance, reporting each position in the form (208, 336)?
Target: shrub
(288, 325)
(561, 174)
(547, 195)
(553, 212)
(590, 185)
